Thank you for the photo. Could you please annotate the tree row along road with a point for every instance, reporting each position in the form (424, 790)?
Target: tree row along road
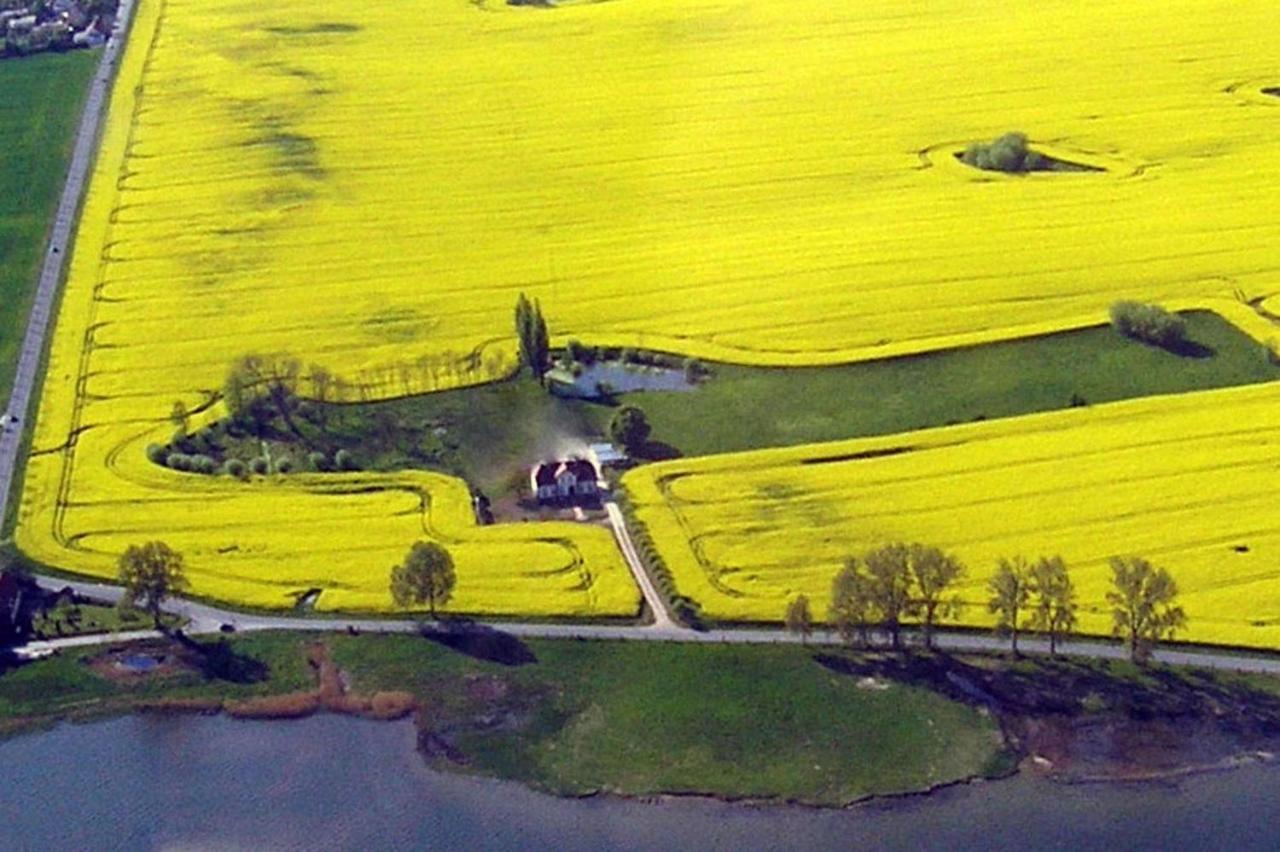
(205, 619)
(42, 309)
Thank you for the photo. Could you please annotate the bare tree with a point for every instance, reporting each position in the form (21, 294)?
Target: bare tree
(1054, 595)
(799, 619)
(933, 574)
(180, 418)
(1010, 594)
(851, 609)
(888, 571)
(1143, 605)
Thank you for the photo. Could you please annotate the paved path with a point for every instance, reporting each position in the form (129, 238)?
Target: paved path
(207, 619)
(661, 618)
(42, 310)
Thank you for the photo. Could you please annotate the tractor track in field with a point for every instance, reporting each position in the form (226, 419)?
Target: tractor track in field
(26, 378)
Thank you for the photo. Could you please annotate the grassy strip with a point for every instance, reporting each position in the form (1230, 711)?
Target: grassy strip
(489, 434)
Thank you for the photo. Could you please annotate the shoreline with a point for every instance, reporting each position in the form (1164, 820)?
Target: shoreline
(180, 708)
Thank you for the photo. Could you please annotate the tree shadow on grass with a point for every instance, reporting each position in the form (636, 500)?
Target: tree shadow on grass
(480, 641)
(217, 660)
(1043, 686)
(656, 451)
(1190, 349)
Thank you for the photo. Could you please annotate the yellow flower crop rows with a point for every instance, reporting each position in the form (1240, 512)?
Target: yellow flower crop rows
(369, 189)
(1189, 482)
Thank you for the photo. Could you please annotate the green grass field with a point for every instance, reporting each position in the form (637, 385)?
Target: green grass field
(749, 408)
(489, 434)
(583, 716)
(40, 101)
(643, 718)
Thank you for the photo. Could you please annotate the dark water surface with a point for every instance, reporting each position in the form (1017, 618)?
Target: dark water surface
(339, 783)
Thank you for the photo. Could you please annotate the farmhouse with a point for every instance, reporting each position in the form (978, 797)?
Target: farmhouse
(564, 481)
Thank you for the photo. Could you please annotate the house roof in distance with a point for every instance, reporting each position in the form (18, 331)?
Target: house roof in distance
(606, 453)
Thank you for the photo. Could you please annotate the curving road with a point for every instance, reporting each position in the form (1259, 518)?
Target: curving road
(204, 619)
(42, 310)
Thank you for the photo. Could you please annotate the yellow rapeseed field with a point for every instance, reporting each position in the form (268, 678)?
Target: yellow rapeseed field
(369, 188)
(1188, 482)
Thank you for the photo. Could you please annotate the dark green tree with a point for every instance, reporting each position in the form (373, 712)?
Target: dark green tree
(150, 573)
(532, 336)
(629, 428)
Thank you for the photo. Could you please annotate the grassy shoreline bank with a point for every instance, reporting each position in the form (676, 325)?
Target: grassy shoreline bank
(794, 725)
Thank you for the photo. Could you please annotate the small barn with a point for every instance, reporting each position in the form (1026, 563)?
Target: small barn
(564, 481)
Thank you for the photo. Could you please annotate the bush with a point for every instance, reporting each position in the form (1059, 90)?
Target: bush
(693, 370)
(629, 356)
(1149, 323)
(1009, 153)
(178, 461)
(203, 464)
(284, 464)
(259, 466)
(236, 468)
(318, 461)
(156, 454)
(342, 460)
(574, 350)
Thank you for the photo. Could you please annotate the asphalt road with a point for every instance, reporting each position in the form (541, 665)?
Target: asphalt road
(42, 310)
(204, 619)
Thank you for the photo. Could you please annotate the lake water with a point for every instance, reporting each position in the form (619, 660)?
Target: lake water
(339, 783)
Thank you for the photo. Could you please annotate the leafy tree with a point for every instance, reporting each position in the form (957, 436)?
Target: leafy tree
(150, 573)
(1054, 610)
(1010, 594)
(852, 606)
(629, 427)
(1143, 605)
(888, 570)
(532, 335)
(933, 573)
(799, 619)
(426, 576)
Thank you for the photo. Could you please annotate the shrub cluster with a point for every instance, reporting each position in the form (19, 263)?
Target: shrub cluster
(1009, 153)
(1148, 323)
(190, 464)
(576, 352)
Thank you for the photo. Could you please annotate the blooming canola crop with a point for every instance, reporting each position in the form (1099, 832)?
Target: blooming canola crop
(369, 190)
(1188, 482)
